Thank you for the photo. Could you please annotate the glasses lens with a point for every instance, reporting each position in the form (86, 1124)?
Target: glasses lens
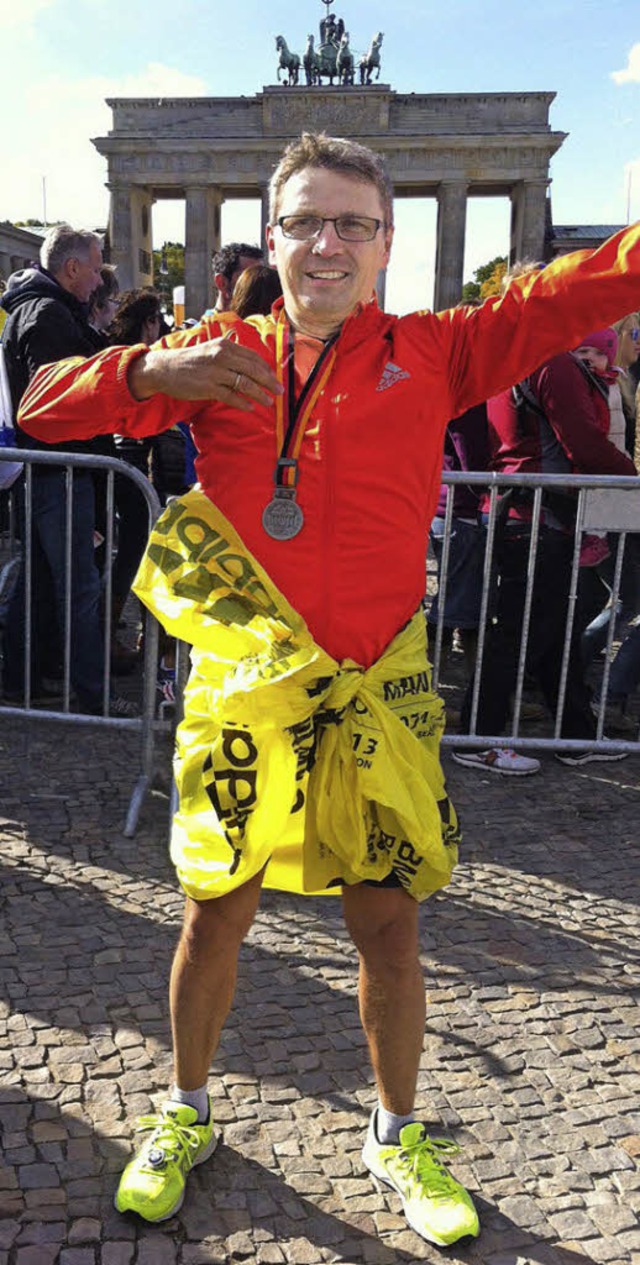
(350, 228)
(302, 227)
(356, 228)
(635, 333)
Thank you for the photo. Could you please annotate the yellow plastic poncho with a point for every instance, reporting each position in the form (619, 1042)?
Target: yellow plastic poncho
(328, 772)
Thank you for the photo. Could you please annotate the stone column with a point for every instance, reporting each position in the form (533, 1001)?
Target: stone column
(202, 239)
(528, 220)
(264, 215)
(141, 236)
(121, 235)
(452, 223)
(381, 287)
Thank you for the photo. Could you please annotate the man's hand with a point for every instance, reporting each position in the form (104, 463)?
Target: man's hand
(217, 370)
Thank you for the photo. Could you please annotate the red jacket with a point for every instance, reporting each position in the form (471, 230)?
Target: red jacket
(371, 458)
(570, 438)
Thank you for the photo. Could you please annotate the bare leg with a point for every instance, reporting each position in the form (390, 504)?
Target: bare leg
(203, 977)
(383, 924)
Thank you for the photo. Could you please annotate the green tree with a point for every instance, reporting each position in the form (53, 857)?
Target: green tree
(486, 273)
(168, 271)
(31, 223)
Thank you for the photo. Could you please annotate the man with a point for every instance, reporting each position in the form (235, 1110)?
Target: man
(556, 422)
(320, 431)
(47, 321)
(228, 264)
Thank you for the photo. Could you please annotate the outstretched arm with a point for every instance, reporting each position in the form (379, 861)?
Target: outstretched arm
(140, 391)
(489, 348)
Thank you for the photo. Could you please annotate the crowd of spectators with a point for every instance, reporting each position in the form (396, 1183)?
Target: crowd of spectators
(578, 413)
(68, 304)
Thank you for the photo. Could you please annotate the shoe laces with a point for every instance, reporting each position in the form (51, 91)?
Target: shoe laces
(423, 1163)
(169, 1140)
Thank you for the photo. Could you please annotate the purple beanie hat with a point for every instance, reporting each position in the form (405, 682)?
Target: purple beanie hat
(604, 340)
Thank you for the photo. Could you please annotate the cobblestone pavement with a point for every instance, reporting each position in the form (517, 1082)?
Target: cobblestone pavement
(531, 1058)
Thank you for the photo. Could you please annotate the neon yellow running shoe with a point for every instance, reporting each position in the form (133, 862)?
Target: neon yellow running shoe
(436, 1206)
(153, 1182)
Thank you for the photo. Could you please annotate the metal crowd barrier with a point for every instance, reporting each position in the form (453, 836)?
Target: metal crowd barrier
(590, 515)
(16, 543)
(593, 513)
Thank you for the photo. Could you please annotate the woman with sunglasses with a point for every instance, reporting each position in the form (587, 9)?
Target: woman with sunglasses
(627, 358)
(625, 669)
(625, 435)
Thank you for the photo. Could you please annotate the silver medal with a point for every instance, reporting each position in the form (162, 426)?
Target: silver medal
(282, 518)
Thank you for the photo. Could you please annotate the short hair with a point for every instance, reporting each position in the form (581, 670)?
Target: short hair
(108, 288)
(333, 153)
(63, 242)
(227, 259)
(135, 307)
(255, 291)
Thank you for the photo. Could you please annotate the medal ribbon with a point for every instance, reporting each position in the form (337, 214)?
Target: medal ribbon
(292, 416)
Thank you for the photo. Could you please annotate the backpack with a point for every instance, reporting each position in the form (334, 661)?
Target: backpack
(562, 504)
(9, 470)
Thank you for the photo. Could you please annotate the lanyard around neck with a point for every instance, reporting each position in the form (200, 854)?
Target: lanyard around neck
(292, 416)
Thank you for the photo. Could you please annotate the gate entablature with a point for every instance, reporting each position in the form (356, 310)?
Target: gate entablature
(452, 147)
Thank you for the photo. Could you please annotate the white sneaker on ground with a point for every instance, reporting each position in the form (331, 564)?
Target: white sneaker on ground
(498, 760)
(577, 758)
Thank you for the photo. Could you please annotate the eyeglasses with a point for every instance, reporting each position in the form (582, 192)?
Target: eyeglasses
(349, 228)
(633, 333)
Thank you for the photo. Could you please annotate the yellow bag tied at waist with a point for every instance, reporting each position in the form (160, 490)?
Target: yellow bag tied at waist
(326, 773)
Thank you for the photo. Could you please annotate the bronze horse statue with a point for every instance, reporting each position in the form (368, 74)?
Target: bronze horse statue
(371, 60)
(344, 62)
(311, 62)
(288, 61)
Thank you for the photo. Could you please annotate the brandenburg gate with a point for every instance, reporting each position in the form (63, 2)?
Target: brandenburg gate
(206, 149)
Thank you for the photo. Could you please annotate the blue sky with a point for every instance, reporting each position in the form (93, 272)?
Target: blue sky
(60, 58)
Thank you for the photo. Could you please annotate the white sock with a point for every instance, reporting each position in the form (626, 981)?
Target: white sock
(388, 1126)
(196, 1098)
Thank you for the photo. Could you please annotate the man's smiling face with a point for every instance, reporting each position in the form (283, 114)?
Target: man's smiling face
(323, 279)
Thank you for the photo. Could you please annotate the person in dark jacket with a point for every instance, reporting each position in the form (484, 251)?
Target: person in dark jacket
(47, 320)
(47, 310)
(466, 447)
(551, 423)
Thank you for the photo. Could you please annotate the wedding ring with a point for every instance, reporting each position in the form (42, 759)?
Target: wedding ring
(236, 385)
